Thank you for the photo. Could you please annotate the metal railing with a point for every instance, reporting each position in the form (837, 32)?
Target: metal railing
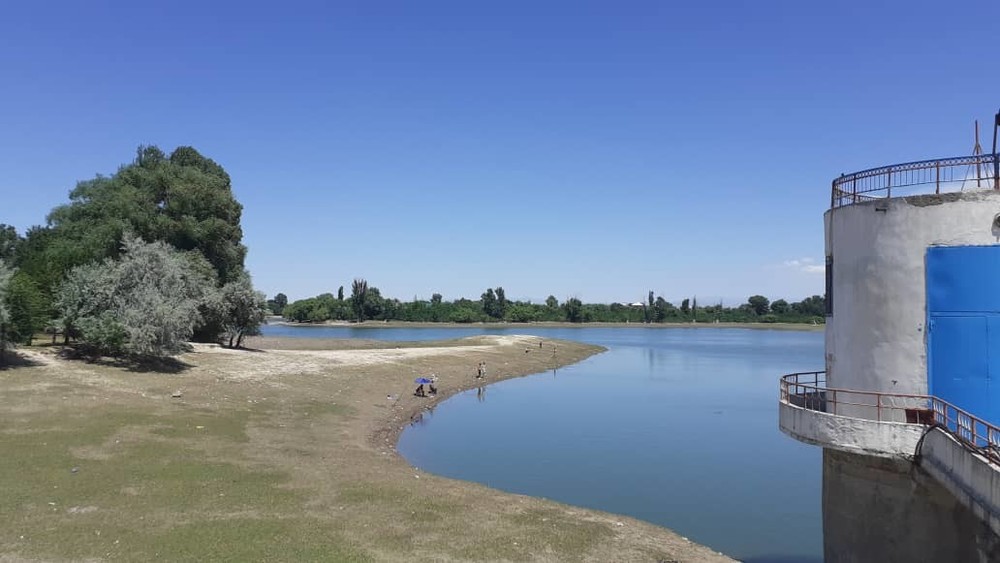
(913, 178)
(809, 391)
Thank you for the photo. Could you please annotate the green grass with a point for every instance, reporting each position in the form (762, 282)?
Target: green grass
(158, 496)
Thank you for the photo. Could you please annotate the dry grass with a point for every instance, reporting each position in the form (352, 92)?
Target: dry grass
(285, 453)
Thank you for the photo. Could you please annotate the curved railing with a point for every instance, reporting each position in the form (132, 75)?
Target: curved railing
(912, 178)
(809, 391)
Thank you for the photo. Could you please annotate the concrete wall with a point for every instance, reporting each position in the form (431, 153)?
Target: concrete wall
(875, 339)
(856, 435)
(968, 476)
(879, 509)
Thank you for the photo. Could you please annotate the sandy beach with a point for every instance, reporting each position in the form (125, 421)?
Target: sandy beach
(285, 451)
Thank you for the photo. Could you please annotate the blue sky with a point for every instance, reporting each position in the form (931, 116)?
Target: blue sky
(589, 149)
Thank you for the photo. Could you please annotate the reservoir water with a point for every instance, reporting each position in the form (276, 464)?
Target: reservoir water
(673, 426)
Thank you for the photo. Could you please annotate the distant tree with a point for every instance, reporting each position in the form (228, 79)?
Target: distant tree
(501, 304)
(660, 309)
(281, 300)
(814, 306)
(685, 307)
(340, 293)
(359, 293)
(647, 310)
(760, 304)
(374, 303)
(780, 307)
(694, 306)
(574, 310)
(521, 313)
(435, 299)
(489, 303)
(551, 302)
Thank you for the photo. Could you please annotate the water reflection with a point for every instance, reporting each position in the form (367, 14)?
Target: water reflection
(877, 509)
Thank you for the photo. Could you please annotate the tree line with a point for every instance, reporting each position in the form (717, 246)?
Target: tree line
(136, 264)
(366, 303)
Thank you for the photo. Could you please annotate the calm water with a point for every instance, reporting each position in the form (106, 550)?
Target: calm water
(676, 427)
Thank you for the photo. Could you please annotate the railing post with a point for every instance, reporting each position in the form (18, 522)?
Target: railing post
(888, 184)
(878, 406)
(937, 177)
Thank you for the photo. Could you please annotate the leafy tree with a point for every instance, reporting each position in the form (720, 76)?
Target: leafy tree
(6, 273)
(9, 241)
(340, 293)
(244, 310)
(144, 305)
(435, 299)
(780, 307)
(374, 304)
(551, 302)
(760, 304)
(359, 292)
(26, 306)
(686, 307)
(185, 201)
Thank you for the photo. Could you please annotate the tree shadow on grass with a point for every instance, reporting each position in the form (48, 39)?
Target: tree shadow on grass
(11, 360)
(171, 366)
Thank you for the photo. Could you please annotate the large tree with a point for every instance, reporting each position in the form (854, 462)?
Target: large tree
(184, 200)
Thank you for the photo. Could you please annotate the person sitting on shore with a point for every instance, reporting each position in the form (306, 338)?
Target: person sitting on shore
(420, 391)
(431, 389)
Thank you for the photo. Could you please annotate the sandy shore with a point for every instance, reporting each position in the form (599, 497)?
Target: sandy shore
(283, 452)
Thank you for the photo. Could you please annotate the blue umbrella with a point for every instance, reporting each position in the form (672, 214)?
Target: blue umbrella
(422, 380)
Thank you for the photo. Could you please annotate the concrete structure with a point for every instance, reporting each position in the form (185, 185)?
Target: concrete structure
(876, 336)
(905, 412)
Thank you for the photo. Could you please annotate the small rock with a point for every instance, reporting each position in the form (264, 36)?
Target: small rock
(619, 524)
(52, 504)
(74, 470)
(177, 394)
(200, 427)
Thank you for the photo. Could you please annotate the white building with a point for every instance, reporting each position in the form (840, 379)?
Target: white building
(908, 406)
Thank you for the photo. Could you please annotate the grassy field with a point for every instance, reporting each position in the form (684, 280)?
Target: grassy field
(281, 453)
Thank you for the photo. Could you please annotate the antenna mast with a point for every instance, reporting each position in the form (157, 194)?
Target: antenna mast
(977, 150)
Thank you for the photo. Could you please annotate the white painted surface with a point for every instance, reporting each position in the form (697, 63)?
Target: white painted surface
(854, 435)
(875, 340)
(968, 476)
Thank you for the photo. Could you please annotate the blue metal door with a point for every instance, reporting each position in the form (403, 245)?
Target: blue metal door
(963, 341)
